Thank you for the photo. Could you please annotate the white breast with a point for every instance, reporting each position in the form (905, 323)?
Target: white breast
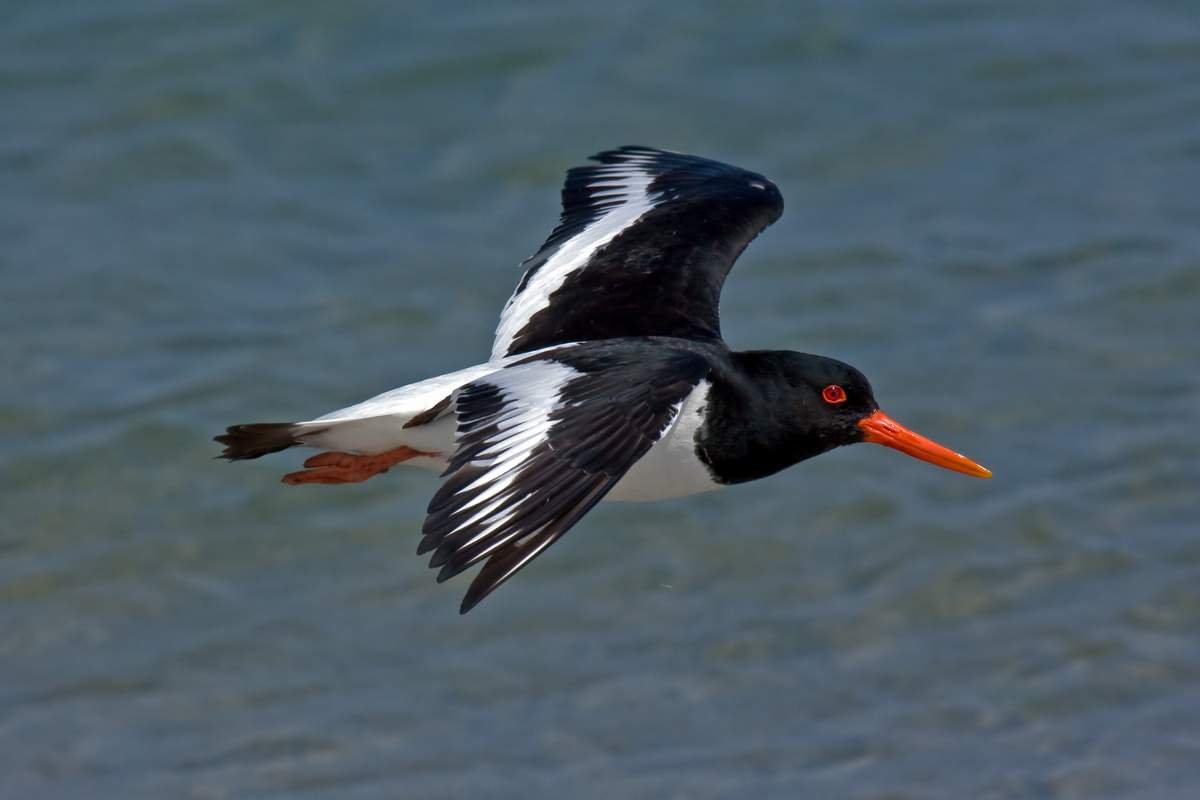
(671, 468)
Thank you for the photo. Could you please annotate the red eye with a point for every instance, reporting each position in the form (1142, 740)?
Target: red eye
(833, 394)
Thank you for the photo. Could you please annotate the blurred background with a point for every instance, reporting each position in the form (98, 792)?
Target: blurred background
(233, 211)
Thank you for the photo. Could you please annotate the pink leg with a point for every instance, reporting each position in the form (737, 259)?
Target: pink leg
(349, 468)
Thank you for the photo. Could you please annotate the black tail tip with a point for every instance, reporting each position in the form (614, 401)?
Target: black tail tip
(256, 439)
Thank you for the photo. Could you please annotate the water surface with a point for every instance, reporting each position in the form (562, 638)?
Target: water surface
(221, 212)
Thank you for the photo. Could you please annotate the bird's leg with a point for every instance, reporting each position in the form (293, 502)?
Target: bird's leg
(336, 467)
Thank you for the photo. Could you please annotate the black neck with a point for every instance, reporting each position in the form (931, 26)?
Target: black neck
(754, 426)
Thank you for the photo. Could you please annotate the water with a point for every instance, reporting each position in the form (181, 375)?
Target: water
(221, 212)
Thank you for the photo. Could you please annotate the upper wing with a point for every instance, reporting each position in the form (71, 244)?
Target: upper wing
(642, 249)
(539, 443)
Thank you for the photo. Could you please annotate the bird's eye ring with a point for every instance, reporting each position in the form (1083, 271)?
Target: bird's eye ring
(833, 394)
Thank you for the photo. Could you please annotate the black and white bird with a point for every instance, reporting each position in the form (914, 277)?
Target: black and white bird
(608, 378)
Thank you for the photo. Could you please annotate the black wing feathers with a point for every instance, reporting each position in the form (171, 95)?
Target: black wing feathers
(661, 275)
(615, 405)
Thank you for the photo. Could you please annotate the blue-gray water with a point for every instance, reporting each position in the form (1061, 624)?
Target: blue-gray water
(220, 212)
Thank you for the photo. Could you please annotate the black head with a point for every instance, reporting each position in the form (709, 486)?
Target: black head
(798, 405)
(829, 398)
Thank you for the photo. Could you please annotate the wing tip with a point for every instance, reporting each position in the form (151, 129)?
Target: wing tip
(469, 602)
(617, 154)
(486, 582)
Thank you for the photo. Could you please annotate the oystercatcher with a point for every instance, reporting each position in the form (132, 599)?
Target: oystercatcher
(608, 378)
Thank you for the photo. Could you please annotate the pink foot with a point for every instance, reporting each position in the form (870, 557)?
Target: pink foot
(349, 468)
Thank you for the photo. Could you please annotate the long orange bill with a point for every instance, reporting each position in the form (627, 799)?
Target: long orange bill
(879, 428)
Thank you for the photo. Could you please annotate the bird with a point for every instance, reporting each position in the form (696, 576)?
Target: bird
(608, 379)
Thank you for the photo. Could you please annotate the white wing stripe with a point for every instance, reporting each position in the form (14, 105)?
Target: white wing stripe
(514, 441)
(495, 525)
(530, 392)
(628, 185)
(485, 511)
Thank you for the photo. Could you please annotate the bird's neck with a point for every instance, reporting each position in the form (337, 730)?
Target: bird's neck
(753, 428)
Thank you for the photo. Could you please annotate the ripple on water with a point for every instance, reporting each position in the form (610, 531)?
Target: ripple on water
(231, 211)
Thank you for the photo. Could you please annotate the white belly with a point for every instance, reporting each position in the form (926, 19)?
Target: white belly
(670, 468)
(377, 424)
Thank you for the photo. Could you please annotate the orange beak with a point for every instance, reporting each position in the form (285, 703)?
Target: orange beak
(879, 428)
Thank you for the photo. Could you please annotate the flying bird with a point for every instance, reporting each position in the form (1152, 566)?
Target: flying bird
(608, 379)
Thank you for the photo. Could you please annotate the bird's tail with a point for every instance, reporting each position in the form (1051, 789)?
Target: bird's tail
(259, 439)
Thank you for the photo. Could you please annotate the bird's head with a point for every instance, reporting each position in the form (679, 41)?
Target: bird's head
(838, 407)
